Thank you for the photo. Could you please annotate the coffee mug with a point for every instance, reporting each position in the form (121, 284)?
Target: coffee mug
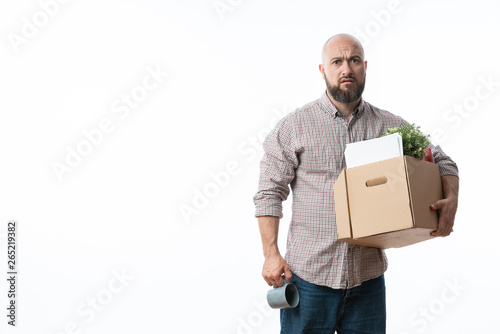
(286, 296)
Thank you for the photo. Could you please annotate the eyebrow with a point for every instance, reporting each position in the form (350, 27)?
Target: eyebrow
(355, 56)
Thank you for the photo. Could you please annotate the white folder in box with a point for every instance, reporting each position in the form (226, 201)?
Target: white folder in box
(373, 150)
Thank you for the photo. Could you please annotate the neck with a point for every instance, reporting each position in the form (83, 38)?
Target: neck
(345, 109)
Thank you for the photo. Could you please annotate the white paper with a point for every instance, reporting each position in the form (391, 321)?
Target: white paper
(373, 150)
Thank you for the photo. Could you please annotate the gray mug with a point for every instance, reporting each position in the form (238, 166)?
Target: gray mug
(286, 296)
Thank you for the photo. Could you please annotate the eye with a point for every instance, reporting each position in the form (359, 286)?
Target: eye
(356, 60)
(336, 62)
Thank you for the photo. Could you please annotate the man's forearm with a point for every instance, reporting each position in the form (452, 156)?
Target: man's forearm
(450, 186)
(274, 265)
(269, 227)
(447, 206)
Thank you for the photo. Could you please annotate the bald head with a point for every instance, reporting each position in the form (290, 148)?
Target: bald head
(344, 70)
(340, 42)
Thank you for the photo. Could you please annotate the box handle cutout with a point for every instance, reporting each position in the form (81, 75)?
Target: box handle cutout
(376, 182)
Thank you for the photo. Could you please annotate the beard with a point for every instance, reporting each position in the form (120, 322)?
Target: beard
(347, 95)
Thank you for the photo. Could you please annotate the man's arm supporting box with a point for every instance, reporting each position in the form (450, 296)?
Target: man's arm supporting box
(386, 204)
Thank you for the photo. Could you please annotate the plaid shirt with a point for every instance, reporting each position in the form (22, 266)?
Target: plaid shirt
(306, 151)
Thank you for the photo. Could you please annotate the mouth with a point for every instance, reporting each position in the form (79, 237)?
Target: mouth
(347, 81)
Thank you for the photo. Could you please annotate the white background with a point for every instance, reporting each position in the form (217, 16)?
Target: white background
(232, 72)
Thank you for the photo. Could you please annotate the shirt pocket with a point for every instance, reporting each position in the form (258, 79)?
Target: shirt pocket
(317, 159)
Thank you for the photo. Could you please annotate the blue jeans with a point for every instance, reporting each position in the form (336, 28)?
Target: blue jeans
(360, 310)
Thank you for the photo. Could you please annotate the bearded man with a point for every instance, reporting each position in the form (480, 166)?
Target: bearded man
(341, 285)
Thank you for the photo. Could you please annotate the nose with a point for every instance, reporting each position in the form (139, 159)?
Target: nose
(346, 68)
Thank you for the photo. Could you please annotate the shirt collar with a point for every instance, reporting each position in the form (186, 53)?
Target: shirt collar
(330, 108)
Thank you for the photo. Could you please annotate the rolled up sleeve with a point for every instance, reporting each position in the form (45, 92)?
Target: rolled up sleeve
(277, 170)
(446, 165)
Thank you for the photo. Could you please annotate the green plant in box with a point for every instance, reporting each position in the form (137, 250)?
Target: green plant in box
(414, 141)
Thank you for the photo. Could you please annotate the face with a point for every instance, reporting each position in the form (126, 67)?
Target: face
(344, 70)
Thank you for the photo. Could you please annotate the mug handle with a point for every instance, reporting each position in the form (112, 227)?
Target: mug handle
(284, 280)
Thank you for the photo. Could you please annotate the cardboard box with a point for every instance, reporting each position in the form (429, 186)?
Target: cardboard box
(386, 204)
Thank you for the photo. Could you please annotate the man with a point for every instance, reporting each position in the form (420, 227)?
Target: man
(341, 285)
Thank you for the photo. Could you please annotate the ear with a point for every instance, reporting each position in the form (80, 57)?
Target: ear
(366, 64)
(322, 70)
